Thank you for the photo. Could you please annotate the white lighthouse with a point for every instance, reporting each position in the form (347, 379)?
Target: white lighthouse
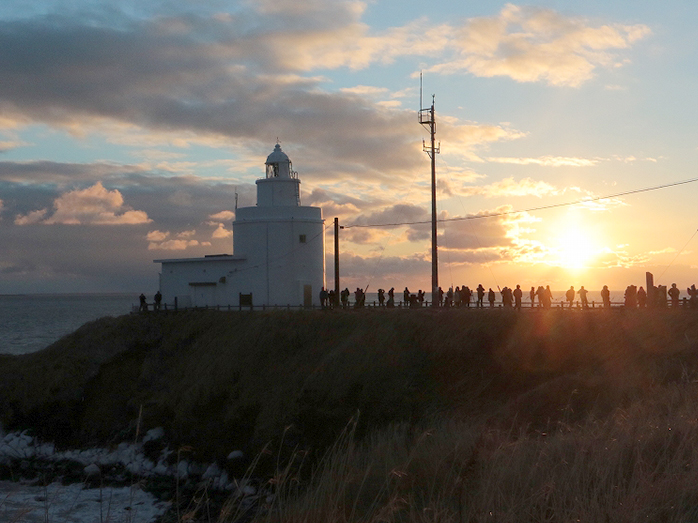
(278, 246)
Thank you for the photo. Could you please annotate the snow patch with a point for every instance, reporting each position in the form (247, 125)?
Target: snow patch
(75, 504)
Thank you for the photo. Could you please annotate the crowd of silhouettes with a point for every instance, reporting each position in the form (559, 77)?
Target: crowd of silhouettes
(463, 296)
(512, 298)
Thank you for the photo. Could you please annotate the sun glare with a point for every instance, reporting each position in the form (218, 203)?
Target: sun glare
(575, 246)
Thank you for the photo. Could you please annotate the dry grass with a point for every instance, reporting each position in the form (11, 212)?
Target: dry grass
(638, 464)
(465, 416)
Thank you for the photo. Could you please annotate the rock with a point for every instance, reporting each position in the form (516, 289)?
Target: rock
(92, 470)
(211, 472)
(236, 454)
(183, 469)
(154, 434)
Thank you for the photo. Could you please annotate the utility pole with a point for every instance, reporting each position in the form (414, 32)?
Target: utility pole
(428, 121)
(336, 259)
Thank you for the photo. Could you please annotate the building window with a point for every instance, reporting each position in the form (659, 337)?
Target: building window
(301, 238)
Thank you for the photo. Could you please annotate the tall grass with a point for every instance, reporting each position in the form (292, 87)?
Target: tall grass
(638, 464)
(465, 416)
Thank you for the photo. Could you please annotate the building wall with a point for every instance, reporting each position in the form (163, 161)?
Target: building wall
(209, 276)
(278, 251)
(287, 245)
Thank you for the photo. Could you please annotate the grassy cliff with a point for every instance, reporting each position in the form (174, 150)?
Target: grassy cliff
(217, 380)
(497, 395)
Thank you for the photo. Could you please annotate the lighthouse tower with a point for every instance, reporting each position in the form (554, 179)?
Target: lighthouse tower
(284, 240)
(278, 252)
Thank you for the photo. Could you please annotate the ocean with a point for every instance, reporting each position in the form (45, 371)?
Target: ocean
(29, 323)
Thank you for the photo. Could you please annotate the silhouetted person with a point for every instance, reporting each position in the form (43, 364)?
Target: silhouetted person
(641, 297)
(344, 295)
(674, 294)
(157, 300)
(507, 297)
(144, 304)
(465, 296)
(360, 298)
(457, 297)
(606, 297)
(381, 297)
(693, 293)
(323, 298)
(518, 294)
(540, 292)
(532, 295)
(449, 297)
(420, 297)
(406, 296)
(331, 299)
(440, 296)
(491, 296)
(480, 295)
(391, 298)
(583, 296)
(569, 295)
(631, 296)
(548, 297)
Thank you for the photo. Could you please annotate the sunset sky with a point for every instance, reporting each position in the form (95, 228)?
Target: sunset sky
(126, 128)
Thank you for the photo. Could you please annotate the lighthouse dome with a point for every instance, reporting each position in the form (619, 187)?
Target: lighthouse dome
(278, 164)
(277, 156)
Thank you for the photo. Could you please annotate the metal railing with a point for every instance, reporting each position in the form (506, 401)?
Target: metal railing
(399, 305)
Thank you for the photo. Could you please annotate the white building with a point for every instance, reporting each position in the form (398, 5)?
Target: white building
(278, 252)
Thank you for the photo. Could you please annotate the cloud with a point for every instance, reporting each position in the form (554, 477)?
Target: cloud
(364, 90)
(530, 44)
(210, 78)
(44, 172)
(620, 258)
(509, 187)
(604, 204)
(221, 232)
(548, 161)
(223, 216)
(92, 206)
(8, 145)
(31, 218)
(162, 240)
(157, 236)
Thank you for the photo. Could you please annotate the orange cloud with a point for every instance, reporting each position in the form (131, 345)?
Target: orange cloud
(221, 232)
(161, 240)
(508, 187)
(31, 218)
(548, 161)
(92, 206)
(223, 216)
(531, 44)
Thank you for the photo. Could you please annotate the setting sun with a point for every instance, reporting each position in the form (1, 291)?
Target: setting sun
(575, 245)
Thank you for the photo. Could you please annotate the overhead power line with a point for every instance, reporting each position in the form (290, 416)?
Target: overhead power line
(530, 209)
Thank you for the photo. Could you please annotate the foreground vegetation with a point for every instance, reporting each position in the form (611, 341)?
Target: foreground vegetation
(396, 415)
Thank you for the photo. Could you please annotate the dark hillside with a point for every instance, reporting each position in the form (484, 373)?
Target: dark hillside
(220, 381)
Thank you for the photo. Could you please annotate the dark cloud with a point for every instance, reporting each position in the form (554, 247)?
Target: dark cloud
(212, 76)
(55, 173)
(61, 72)
(382, 271)
(475, 234)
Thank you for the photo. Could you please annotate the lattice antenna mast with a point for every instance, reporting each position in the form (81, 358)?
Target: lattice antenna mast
(428, 121)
